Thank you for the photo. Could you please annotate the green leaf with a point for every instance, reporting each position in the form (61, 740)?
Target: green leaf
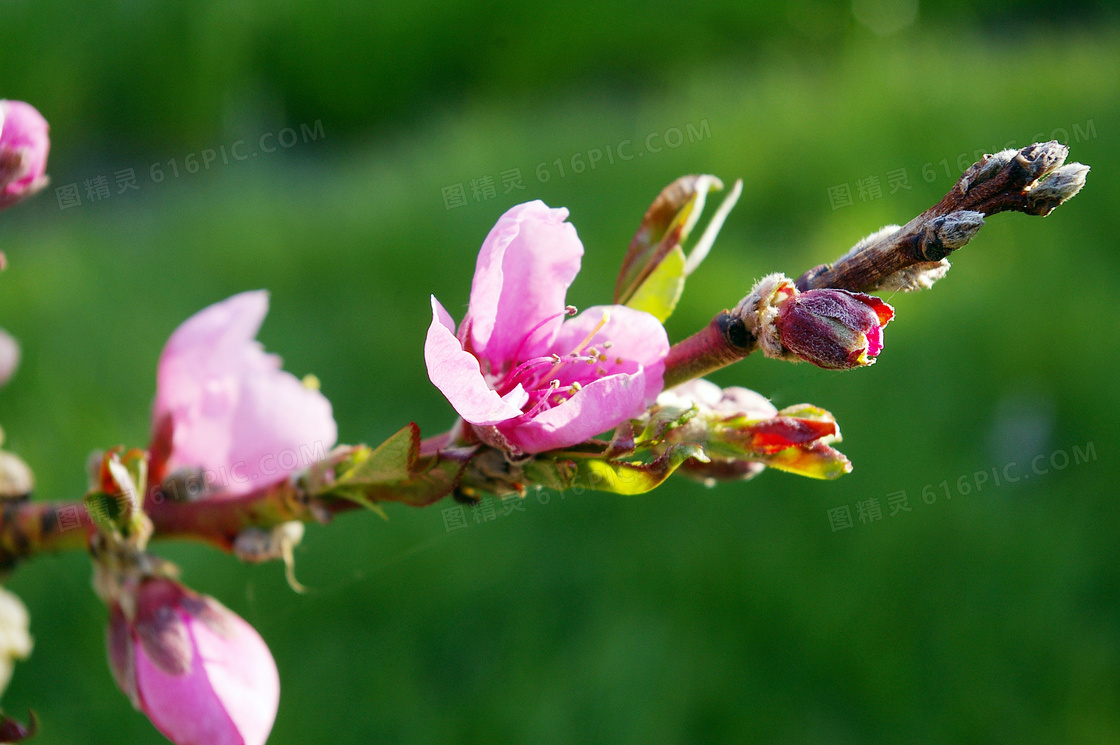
(106, 510)
(665, 226)
(395, 472)
(618, 477)
(662, 421)
(661, 290)
(434, 479)
(391, 461)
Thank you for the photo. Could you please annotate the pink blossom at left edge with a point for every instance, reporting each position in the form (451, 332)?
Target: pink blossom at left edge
(224, 406)
(24, 144)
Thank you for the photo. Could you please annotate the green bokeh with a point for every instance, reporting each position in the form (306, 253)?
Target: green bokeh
(686, 615)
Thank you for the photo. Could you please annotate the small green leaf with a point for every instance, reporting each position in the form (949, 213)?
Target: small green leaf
(395, 472)
(667, 224)
(391, 461)
(662, 421)
(661, 290)
(618, 477)
(106, 510)
(435, 478)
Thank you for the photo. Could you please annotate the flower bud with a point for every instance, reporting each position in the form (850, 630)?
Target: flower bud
(12, 731)
(9, 356)
(833, 329)
(1056, 187)
(200, 673)
(24, 145)
(741, 432)
(16, 479)
(15, 638)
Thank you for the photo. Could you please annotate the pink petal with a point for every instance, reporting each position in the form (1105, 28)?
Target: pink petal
(242, 674)
(278, 427)
(732, 401)
(745, 402)
(598, 407)
(230, 695)
(524, 269)
(874, 341)
(23, 129)
(458, 376)
(235, 414)
(9, 356)
(634, 336)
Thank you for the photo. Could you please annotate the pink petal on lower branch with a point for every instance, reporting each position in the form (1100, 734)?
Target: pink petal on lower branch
(24, 145)
(201, 673)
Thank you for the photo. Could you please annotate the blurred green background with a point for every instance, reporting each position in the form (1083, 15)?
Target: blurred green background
(686, 615)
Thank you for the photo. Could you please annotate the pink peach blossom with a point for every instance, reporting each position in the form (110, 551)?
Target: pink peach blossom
(24, 144)
(200, 673)
(526, 379)
(225, 407)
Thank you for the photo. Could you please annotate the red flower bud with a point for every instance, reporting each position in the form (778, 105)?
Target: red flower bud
(833, 329)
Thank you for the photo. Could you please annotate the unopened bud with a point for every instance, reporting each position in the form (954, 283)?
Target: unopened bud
(833, 329)
(9, 356)
(15, 637)
(198, 671)
(985, 168)
(1056, 187)
(16, 479)
(944, 234)
(12, 731)
(957, 228)
(741, 432)
(24, 144)
(915, 277)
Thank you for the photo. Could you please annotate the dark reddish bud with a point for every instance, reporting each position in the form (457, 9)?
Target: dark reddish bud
(833, 329)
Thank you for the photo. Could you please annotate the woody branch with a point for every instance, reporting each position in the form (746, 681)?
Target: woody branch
(32, 527)
(1032, 180)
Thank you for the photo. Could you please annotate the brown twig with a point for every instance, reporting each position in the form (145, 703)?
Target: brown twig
(1032, 180)
(28, 528)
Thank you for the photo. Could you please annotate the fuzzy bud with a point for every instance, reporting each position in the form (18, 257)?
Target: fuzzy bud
(957, 228)
(24, 144)
(914, 277)
(833, 329)
(200, 673)
(1056, 187)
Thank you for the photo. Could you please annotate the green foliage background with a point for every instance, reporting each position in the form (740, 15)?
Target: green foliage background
(686, 615)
